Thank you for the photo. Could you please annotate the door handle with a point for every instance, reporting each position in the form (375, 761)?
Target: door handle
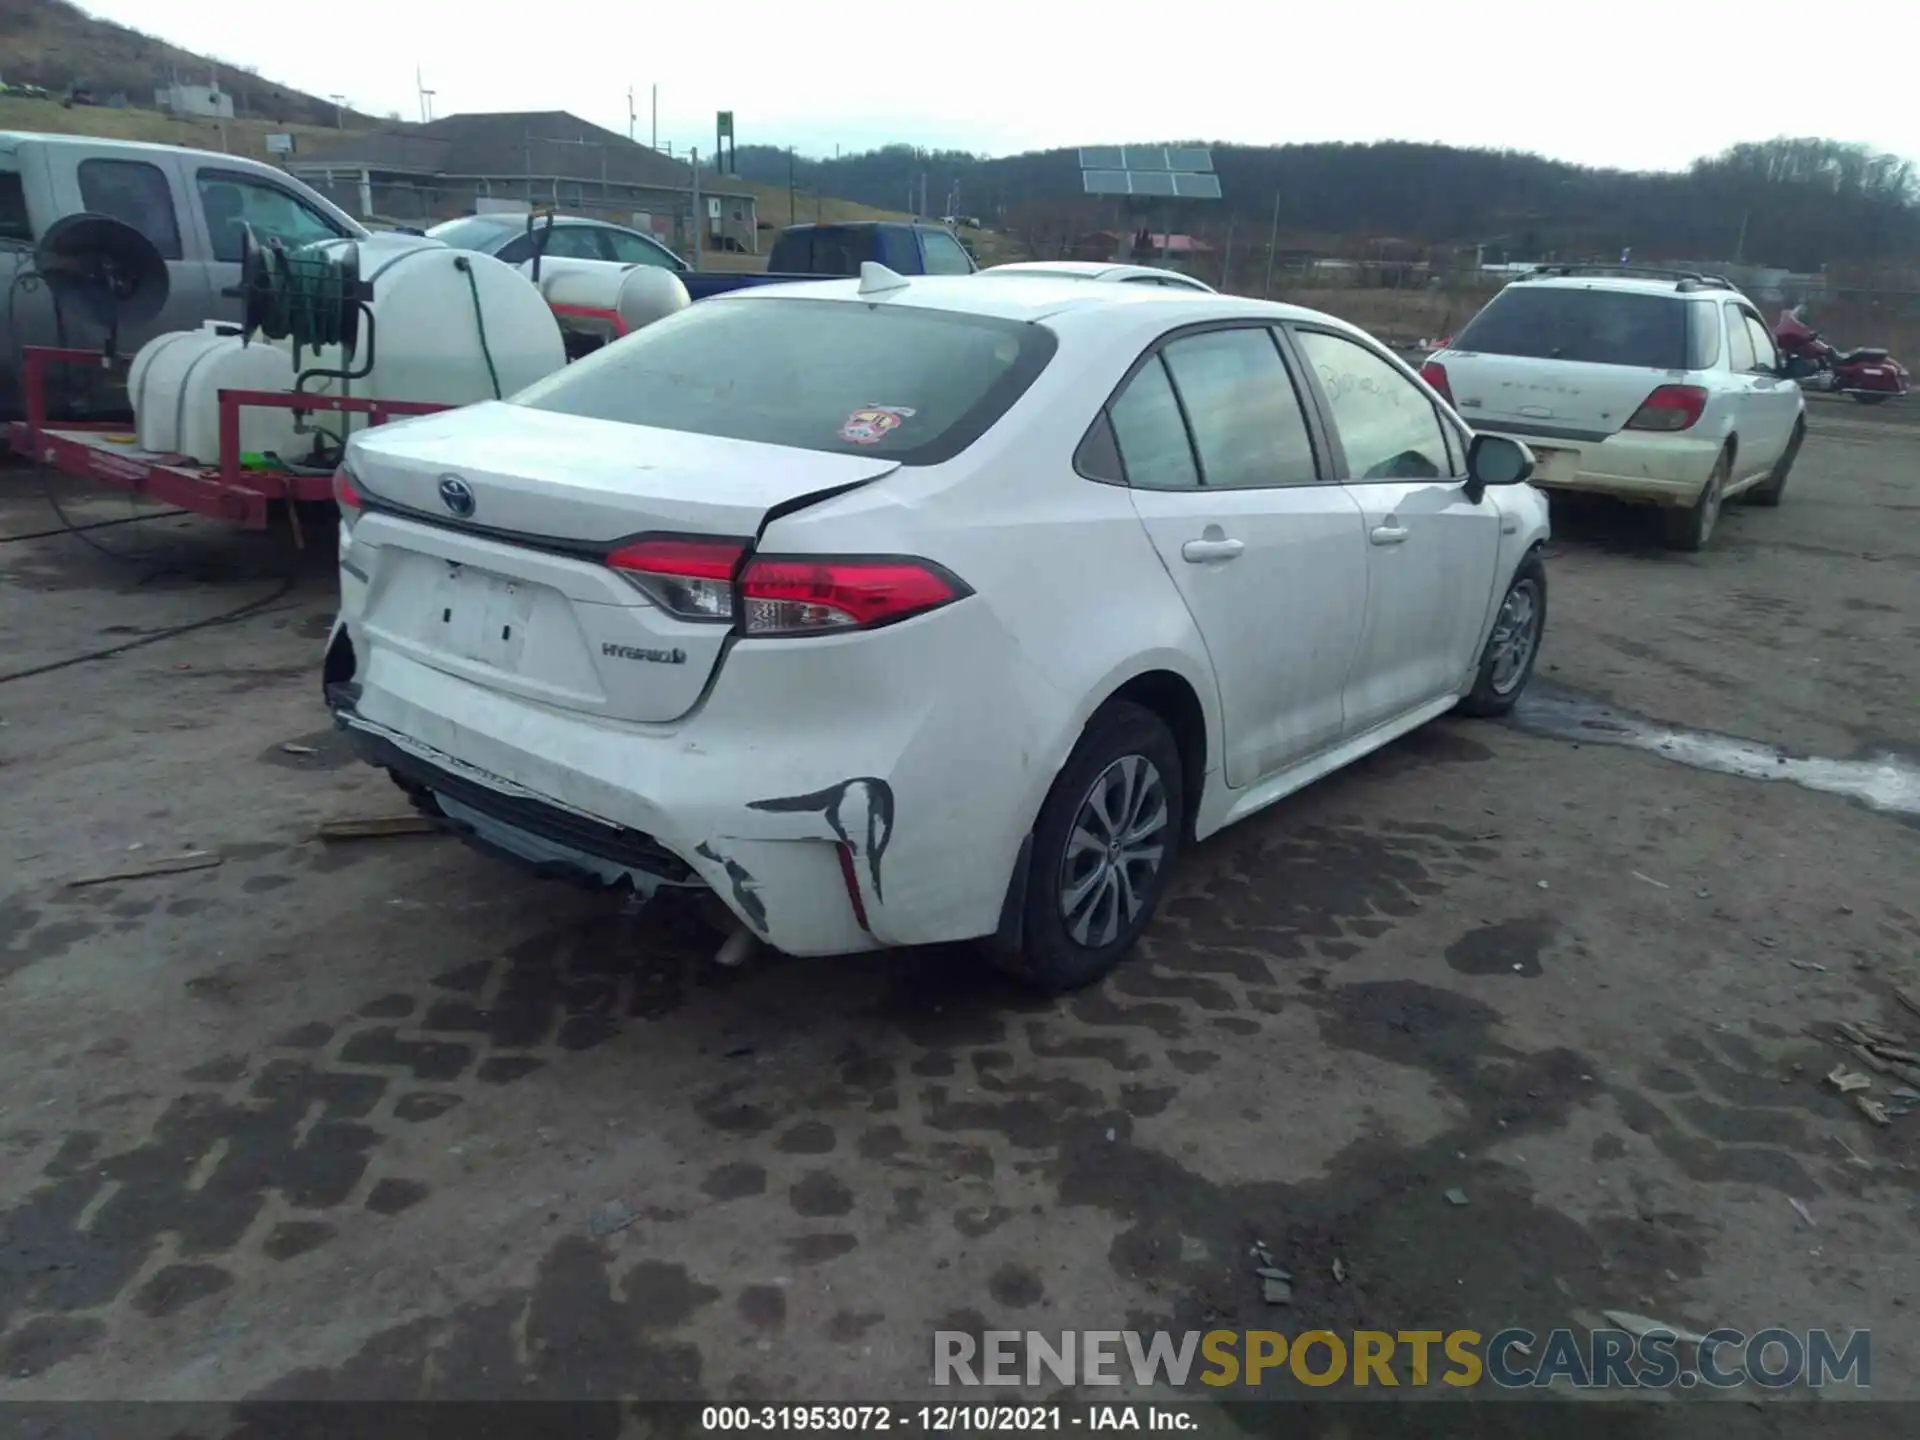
(1200, 551)
(1388, 534)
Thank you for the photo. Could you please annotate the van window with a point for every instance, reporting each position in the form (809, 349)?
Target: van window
(1597, 326)
(916, 386)
(135, 193)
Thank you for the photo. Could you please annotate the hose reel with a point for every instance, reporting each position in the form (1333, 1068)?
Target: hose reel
(318, 301)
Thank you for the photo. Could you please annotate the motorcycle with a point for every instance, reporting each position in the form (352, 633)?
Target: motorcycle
(1868, 374)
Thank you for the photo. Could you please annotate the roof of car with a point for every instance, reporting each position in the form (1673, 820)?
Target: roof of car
(1028, 297)
(1675, 282)
(1089, 269)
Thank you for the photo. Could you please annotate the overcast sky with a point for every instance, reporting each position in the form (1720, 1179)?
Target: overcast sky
(1647, 84)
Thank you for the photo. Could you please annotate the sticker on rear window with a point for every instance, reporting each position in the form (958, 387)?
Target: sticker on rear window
(871, 424)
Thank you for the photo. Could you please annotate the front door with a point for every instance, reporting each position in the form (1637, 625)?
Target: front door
(228, 201)
(1268, 556)
(1431, 550)
(1770, 402)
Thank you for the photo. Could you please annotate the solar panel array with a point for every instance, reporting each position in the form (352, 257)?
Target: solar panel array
(1159, 172)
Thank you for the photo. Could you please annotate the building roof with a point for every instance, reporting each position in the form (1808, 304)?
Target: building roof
(543, 143)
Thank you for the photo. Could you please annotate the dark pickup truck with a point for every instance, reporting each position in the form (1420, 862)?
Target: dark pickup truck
(829, 251)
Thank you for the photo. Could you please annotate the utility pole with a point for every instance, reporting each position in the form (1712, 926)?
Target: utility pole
(693, 160)
(1740, 245)
(633, 117)
(1273, 242)
(339, 101)
(790, 196)
(656, 117)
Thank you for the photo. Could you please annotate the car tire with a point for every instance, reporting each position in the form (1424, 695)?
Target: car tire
(1769, 491)
(1126, 755)
(1868, 397)
(1498, 682)
(1690, 529)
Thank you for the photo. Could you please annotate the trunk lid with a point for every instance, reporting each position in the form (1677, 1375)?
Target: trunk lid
(505, 583)
(1568, 362)
(1574, 400)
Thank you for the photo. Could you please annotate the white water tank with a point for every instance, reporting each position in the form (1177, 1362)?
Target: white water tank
(175, 383)
(449, 326)
(638, 294)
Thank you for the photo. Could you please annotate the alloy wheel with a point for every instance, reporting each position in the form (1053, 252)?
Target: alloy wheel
(1114, 851)
(1516, 632)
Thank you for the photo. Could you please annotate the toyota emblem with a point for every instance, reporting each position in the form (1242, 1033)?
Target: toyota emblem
(456, 495)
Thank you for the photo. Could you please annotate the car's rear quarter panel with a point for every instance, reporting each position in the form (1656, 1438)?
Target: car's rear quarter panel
(1071, 601)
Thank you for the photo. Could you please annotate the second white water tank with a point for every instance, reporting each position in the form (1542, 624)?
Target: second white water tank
(637, 294)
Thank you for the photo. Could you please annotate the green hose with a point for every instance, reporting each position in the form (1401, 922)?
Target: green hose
(302, 301)
(480, 322)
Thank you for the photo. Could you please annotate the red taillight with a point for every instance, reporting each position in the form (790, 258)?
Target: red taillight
(691, 578)
(348, 499)
(802, 596)
(1671, 407)
(793, 595)
(1435, 374)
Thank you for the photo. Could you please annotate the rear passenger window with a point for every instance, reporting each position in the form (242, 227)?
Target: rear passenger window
(14, 223)
(135, 193)
(1703, 335)
(944, 255)
(1387, 425)
(1740, 356)
(1098, 457)
(1247, 423)
(1766, 355)
(1150, 433)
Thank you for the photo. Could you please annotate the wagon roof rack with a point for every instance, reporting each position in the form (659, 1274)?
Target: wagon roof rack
(1684, 279)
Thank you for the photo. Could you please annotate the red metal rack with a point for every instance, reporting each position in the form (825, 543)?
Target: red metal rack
(107, 454)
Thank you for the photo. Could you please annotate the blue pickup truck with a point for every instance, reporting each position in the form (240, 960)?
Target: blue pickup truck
(816, 252)
(800, 252)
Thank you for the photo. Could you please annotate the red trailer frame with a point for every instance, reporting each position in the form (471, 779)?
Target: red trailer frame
(226, 491)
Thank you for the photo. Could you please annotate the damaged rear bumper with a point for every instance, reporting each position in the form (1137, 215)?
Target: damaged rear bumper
(795, 894)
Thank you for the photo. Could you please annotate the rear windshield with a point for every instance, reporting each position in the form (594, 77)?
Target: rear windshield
(475, 232)
(822, 250)
(917, 386)
(1600, 327)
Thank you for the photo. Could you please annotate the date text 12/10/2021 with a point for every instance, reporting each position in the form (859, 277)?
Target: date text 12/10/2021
(944, 1419)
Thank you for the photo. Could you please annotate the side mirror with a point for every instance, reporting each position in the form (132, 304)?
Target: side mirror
(1496, 460)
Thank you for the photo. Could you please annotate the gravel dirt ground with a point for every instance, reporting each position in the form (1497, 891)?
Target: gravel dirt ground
(385, 1119)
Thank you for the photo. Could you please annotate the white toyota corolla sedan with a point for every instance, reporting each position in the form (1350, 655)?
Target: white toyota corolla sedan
(897, 611)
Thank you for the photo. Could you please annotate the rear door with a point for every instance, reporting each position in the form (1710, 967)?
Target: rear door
(1431, 550)
(1769, 402)
(1213, 440)
(147, 192)
(1565, 365)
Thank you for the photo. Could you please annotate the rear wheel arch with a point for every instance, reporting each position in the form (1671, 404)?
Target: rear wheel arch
(1173, 700)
